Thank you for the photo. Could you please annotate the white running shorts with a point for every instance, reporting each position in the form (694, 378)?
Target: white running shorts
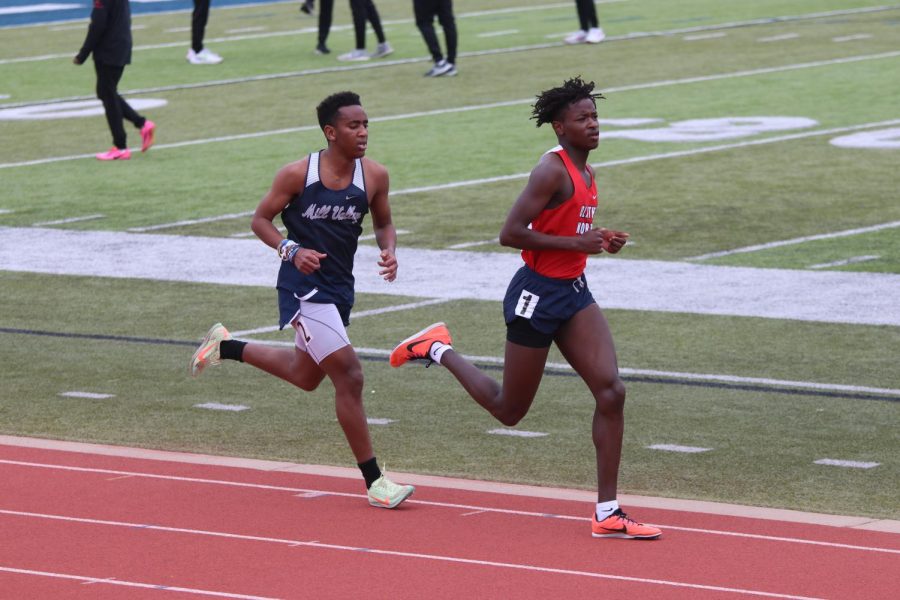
(320, 330)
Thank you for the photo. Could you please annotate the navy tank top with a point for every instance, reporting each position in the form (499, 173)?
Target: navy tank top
(328, 221)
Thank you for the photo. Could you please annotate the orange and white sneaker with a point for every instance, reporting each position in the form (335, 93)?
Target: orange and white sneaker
(416, 346)
(384, 493)
(619, 525)
(208, 352)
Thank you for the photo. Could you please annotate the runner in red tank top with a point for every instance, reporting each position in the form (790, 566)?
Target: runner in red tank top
(548, 299)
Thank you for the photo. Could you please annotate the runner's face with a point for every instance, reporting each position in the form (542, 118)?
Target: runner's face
(580, 125)
(351, 131)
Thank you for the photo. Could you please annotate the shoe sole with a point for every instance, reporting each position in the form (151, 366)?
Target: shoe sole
(626, 536)
(413, 337)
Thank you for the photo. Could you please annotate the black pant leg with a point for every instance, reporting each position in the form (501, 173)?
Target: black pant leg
(374, 18)
(326, 9)
(358, 8)
(107, 81)
(198, 23)
(448, 23)
(587, 14)
(424, 11)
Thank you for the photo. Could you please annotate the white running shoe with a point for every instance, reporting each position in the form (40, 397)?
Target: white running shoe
(382, 50)
(579, 37)
(204, 57)
(355, 55)
(595, 35)
(441, 67)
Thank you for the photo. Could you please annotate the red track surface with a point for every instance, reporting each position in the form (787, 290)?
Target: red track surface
(158, 529)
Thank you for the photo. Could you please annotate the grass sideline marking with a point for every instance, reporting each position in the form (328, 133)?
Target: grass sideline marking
(69, 220)
(133, 584)
(220, 406)
(517, 433)
(88, 395)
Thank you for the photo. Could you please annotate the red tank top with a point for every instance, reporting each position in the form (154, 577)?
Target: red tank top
(572, 217)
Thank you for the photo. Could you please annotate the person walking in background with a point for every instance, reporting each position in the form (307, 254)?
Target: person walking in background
(425, 12)
(548, 300)
(590, 31)
(326, 9)
(323, 199)
(109, 40)
(198, 55)
(364, 10)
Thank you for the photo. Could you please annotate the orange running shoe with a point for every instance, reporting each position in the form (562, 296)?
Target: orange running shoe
(619, 525)
(416, 347)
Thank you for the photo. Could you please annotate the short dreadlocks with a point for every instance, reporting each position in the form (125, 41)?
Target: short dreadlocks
(552, 102)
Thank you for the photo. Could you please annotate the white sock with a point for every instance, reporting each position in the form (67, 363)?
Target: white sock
(604, 509)
(437, 350)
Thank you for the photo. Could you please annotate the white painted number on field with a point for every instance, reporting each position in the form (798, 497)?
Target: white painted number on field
(883, 139)
(677, 448)
(710, 130)
(853, 464)
(517, 433)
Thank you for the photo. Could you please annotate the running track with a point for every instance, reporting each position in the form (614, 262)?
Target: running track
(100, 522)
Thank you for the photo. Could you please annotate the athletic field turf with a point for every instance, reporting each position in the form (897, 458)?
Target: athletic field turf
(749, 148)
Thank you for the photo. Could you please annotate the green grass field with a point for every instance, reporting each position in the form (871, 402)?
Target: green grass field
(724, 129)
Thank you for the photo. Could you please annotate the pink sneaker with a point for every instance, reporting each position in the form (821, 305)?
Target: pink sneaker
(115, 154)
(148, 133)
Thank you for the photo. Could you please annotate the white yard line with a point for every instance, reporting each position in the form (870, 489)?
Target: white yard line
(468, 108)
(847, 261)
(799, 240)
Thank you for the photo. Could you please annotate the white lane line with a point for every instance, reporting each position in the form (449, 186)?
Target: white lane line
(853, 464)
(220, 406)
(6, 211)
(491, 34)
(380, 421)
(133, 584)
(847, 261)
(88, 395)
(799, 240)
(69, 220)
(677, 448)
(851, 38)
(778, 38)
(704, 36)
(473, 244)
(517, 433)
(246, 30)
(453, 505)
(640, 86)
(415, 555)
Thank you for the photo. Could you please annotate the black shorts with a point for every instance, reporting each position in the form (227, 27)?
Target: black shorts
(535, 307)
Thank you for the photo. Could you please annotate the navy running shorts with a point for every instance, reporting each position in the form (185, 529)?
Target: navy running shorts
(535, 307)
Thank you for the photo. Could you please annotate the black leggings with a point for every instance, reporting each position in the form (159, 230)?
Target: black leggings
(364, 10)
(425, 12)
(198, 23)
(326, 9)
(587, 14)
(116, 108)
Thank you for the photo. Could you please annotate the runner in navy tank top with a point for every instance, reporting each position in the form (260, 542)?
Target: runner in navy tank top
(548, 300)
(322, 200)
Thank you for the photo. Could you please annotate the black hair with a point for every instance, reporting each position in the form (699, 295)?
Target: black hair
(551, 103)
(328, 108)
